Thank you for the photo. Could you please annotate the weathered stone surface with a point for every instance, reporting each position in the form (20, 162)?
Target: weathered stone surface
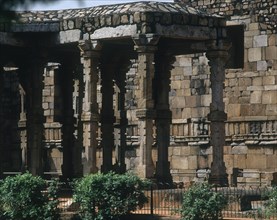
(113, 32)
(254, 54)
(69, 36)
(260, 41)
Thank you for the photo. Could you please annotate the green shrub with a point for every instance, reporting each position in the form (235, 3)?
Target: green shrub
(22, 197)
(201, 202)
(271, 204)
(108, 196)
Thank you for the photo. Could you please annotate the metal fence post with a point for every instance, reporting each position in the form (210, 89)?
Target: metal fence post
(151, 200)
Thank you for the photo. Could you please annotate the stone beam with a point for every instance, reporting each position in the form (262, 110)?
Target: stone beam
(186, 32)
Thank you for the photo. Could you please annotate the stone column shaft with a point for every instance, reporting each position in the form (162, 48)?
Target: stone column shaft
(217, 116)
(23, 130)
(123, 129)
(90, 52)
(69, 167)
(145, 47)
(107, 117)
(1, 122)
(35, 118)
(163, 118)
(123, 121)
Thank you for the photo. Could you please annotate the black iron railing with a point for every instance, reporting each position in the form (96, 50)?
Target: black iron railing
(243, 202)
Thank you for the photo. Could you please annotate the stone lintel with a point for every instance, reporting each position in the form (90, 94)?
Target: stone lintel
(86, 117)
(146, 113)
(219, 116)
(186, 32)
(121, 31)
(69, 36)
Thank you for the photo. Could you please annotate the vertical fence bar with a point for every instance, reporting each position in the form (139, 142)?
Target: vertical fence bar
(151, 200)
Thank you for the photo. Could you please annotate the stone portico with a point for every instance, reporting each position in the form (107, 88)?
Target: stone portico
(87, 85)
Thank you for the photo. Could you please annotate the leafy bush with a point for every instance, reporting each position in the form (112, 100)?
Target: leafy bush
(201, 202)
(22, 197)
(271, 204)
(109, 196)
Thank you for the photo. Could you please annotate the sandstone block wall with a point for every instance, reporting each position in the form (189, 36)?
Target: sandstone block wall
(250, 97)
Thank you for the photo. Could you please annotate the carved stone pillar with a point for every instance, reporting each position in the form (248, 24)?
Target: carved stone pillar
(123, 121)
(146, 48)
(70, 166)
(107, 115)
(1, 121)
(90, 53)
(217, 59)
(23, 129)
(35, 118)
(163, 118)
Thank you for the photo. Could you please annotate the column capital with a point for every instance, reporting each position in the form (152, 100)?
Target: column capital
(87, 116)
(146, 113)
(218, 49)
(219, 45)
(146, 43)
(90, 48)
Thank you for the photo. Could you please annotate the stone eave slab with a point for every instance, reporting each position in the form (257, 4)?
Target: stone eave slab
(35, 27)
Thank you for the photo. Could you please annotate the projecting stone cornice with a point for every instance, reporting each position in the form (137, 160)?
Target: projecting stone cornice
(121, 21)
(90, 19)
(106, 10)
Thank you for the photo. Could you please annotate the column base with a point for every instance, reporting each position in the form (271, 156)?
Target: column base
(163, 176)
(145, 171)
(119, 168)
(219, 180)
(106, 169)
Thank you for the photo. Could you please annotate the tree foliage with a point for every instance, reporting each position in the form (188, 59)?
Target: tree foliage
(109, 196)
(201, 202)
(25, 197)
(271, 204)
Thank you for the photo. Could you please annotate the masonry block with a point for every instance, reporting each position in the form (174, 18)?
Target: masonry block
(254, 54)
(256, 97)
(271, 53)
(260, 41)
